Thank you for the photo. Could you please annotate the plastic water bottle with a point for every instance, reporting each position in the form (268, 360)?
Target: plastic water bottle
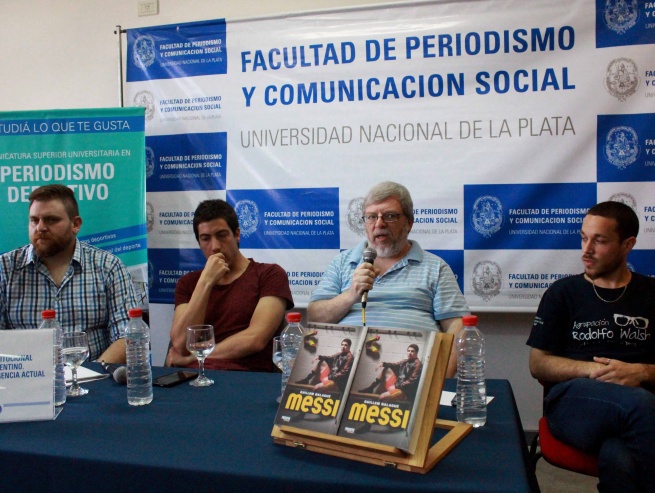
(49, 321)
(291, 338)
(471, 386)
(139, 373)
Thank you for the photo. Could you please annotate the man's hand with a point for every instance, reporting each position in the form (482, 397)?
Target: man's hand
(615, 371)
(363, 278)
(332, 310)
(174, 358)
(215, 269)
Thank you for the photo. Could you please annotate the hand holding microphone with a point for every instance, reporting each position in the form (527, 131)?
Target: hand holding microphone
(367, 257)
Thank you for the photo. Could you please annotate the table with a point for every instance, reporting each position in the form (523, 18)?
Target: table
(218, 438)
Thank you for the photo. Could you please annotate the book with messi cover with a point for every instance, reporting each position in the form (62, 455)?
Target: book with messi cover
(320, 377)
(358, 382)
(383, 402)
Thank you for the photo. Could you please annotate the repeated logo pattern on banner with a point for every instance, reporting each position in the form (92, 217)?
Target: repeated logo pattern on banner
(506, 120)
(98, 153)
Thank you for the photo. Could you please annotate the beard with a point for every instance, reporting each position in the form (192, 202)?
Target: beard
(393, 247)
(48, 246)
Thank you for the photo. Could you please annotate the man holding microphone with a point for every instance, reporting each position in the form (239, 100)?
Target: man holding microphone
(409, 287)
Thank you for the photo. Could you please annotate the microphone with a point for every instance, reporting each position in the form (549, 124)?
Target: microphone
(369, 257)
(117, 372)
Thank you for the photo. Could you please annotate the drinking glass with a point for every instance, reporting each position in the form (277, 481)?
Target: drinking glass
(200, 342)
(278, 359)
(75, 349)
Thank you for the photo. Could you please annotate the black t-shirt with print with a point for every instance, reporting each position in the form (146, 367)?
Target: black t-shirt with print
(573, 322)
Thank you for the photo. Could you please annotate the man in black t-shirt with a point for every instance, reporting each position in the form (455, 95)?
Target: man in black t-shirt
(593, 348)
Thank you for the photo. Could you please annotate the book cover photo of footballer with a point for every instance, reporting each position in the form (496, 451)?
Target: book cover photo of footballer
(389, 376)
(320, 377)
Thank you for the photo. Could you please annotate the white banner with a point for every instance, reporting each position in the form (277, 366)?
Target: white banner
(505, 119)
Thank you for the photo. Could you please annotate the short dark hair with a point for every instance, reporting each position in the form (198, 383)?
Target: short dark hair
(208, 210)
(627, 222)
(413, 346)
(348, 341)
(56, 192)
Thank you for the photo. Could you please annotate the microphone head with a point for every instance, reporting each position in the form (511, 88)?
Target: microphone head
(120, 375)
(117, 372)
(369, 255)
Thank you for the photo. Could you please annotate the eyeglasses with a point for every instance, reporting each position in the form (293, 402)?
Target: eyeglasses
(637, 322)
(387, 217)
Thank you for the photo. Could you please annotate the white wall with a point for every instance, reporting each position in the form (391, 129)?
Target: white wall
(64, 54)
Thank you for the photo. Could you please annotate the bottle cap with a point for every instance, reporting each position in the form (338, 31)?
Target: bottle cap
(470, 320)
(135, 312)
(294, 317)
(48, 314)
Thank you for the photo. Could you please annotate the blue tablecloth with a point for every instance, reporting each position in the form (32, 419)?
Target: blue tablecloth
(218, 438)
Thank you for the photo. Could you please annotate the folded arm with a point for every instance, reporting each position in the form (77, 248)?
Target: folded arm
(616, 371)
(265, 320)
(115, 353)
(549, 367)
(331, 311)
(193, 312)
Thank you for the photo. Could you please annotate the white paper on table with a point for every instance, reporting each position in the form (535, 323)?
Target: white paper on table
(83, 375)
(447, 398)
(27, 386)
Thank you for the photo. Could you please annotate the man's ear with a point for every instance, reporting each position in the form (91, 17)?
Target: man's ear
(628, 244)
(77, 224)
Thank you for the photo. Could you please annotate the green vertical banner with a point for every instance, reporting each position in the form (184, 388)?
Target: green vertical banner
(100, 155)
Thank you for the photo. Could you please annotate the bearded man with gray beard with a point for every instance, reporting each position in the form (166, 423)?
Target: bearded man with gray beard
(408, 287)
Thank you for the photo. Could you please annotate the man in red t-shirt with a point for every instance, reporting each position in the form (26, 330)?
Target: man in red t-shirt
(244, 300)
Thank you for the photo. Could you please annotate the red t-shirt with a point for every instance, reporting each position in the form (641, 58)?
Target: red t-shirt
(231, 306)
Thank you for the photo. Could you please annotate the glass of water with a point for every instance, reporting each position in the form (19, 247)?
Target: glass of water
(200, 342)
(75, 349)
